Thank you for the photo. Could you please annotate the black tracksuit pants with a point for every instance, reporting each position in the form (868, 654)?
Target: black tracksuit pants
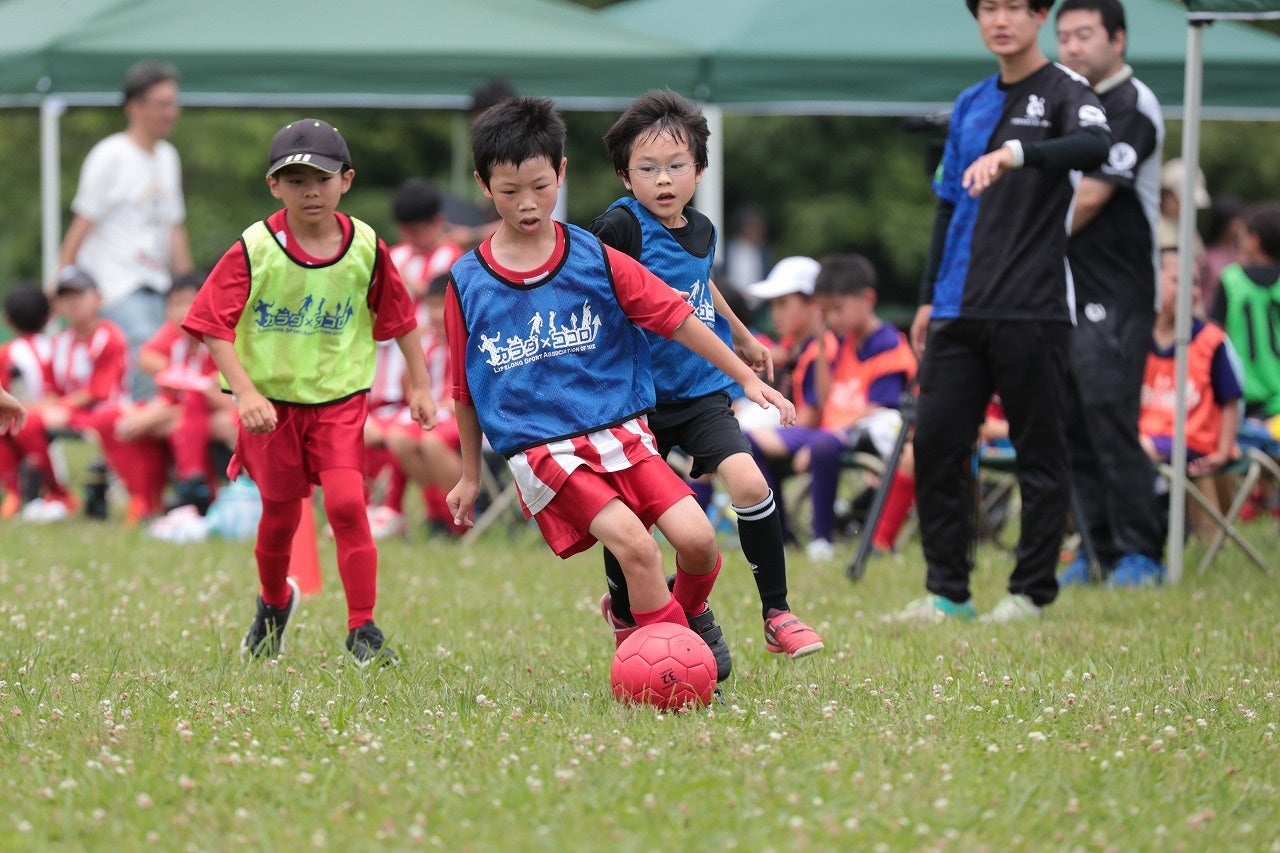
(1109, 469)
(965, 362)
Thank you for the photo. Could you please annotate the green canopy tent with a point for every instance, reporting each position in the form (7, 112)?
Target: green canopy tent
(27, 29)
(911, 57)
(397, 53)
(899, 58)
(1199, 14)
(393, 52)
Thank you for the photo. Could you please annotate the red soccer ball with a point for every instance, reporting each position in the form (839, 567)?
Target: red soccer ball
(664, 665)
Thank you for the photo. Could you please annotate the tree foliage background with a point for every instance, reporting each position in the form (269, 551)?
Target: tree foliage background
(825, 183)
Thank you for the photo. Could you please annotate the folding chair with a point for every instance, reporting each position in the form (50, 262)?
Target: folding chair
(997, 501)
(1251, 466)
(850, 495)
(996, 498)
(503, 499)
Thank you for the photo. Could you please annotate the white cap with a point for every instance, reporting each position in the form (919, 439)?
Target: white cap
(795, 274)
(1171, 179)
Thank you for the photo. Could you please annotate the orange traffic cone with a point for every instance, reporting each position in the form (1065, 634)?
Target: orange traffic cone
(304, 560)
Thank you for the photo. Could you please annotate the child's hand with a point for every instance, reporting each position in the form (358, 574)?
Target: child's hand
(755, 355)
(257, 414)
(12, 415)
(766, 396)
(422, 408)
(126, 428)
(461, 499)
(55, 414)
(1206, 464)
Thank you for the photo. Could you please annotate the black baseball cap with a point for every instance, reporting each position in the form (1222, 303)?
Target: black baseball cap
(310, 142)
(73, 279)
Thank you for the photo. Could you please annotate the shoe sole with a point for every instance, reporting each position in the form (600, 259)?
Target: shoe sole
(380, 659)
(803, 651)
(1149, 583)
(775, 646)
(294, 595)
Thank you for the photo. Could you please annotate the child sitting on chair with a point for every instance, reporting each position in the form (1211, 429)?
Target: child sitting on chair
(28, 477)
(1214, 389)
(858, 388)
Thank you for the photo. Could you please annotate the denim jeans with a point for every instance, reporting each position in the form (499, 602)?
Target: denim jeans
(138, 315)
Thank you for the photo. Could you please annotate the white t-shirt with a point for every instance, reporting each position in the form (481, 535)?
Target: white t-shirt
(134, 198)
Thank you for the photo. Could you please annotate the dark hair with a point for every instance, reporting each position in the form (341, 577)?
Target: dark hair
(1111, 12)
(1226, 209)
(1032, 6)
(844, 275)
(492, 93)
(187, 281)
(517, 131)
(1263, 221)
(144, 75)
(26, 306)
(658, 111)
(439, 284)
(416, 201)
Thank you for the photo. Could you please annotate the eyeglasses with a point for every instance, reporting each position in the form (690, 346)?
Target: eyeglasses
(649, 173)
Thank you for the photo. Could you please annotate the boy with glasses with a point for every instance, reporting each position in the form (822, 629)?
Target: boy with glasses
(659, 149)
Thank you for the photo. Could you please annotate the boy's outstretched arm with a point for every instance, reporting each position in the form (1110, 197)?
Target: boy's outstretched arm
(753, 353)
(256, 412)
(422, 405)
(694, 334)
(462, 497)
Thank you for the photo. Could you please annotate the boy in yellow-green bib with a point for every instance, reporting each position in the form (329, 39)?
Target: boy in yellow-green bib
(291, 315)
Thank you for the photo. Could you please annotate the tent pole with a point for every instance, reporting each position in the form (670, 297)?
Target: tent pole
(51, 109)
(460, 183)
(1186, 260)
(709, 198)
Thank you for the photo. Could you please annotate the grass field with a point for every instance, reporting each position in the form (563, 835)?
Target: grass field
(1124, 720)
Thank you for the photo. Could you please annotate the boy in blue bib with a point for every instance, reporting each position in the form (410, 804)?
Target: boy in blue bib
(659, 149)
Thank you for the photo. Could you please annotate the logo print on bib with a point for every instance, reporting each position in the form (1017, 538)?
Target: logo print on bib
(578, 334)
(306, 317)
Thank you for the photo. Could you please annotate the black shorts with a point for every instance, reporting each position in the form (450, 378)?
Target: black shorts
(704, 428)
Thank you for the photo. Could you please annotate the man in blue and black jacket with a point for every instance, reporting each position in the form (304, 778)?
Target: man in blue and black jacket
(996, 306)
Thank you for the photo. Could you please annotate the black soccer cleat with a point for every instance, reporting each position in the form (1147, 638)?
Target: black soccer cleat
(368, 647)
(265, 637)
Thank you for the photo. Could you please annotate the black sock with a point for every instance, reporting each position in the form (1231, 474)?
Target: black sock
(618, 587)
(760, 532)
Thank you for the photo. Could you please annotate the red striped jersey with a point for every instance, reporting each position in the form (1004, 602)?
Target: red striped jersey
(97, 363)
